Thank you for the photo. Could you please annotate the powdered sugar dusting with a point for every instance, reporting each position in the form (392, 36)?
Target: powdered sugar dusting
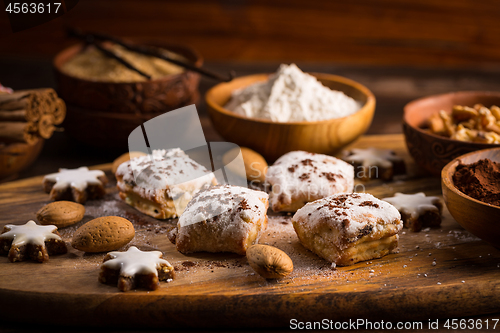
(75, 178)
(30, 233)
(414, 204)
(134, 261)
(350, 215)
(226, 212)
(291, 95)
(170, 170)
(373, 156)
(299, 174)
(220, 200)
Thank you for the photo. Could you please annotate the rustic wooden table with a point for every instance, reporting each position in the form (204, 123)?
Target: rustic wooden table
(393, 88)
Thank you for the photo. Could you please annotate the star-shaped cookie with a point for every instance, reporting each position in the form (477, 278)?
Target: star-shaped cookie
(417, 210)
(75, 184)
(31, 240)
(135, 269)
(375, 163)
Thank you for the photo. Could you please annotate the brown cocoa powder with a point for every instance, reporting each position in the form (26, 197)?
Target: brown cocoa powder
(479, 180)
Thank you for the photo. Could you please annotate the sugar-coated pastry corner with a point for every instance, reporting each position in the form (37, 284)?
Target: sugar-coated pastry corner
(348, 228)
(161, 184)
(299, 177)
(223, 218)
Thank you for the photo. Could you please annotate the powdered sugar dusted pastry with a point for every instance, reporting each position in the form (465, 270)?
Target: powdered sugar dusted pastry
(135, 269)
(161, 184)
(31, 241)
(299, 177)
(417, 210)
(75, 184)
(372, 163)
(347, 228)
(222, 219)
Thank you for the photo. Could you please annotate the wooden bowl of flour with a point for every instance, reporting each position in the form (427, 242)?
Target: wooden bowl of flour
(273, 139)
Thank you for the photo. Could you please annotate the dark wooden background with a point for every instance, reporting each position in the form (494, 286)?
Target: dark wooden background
(369, 32)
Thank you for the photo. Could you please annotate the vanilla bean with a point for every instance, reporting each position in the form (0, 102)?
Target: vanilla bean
(151, 51)
(155, 52)
(120, 60)
(90, 39)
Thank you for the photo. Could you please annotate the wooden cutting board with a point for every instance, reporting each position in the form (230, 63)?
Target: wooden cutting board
(221, 290)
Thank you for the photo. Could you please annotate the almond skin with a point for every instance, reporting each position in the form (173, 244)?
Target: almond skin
(269, 261)
(61, 213)
(103, 234)
(255, 164)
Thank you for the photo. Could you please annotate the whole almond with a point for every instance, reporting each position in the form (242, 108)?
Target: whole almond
(269, 261)
(255, 164)
(124, 158)
(103, 234)
(61, 213)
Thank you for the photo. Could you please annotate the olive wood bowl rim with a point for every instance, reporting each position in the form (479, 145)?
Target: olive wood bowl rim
(370, 98)
(449, 169)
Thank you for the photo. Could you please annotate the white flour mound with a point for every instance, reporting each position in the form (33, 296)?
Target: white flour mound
(291, 95)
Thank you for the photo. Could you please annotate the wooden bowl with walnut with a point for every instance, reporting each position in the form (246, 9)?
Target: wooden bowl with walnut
(431, 151)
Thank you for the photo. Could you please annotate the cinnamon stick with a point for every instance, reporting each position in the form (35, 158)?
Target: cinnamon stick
(14, 96)
(46, 91)
(15, 115)
(11, 132)
(44, 105)
(16, 101)
(45, 126)
(51, 104)
(49, 96)
(59, 112)
(22, 100)
(28, 114)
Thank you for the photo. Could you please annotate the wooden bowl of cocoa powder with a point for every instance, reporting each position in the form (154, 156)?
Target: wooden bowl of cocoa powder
(478, 209)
